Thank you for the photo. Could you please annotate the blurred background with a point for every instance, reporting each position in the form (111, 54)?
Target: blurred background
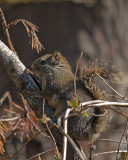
(99, 28)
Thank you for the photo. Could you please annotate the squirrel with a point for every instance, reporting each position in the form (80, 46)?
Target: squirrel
(58, 87)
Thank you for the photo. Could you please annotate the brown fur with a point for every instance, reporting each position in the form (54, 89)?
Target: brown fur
(58, 87)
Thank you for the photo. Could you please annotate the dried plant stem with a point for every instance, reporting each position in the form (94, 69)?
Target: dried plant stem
(5, 28)
(12, 155)
(122, 97)
(22, 20)
(98, 103)
(127, 141)
(76, 73)
(91, 145)
(7, 95)
(113, 130)
(52, 138)
(111, 140)
(124, 132)
(6, 32)
(10, 119)
(43, 107)
(82, 156)
(31, 33)
(65, 131)
(110, 152)
(104, 104)
(117, 111)
(49, 150)
(45, 121)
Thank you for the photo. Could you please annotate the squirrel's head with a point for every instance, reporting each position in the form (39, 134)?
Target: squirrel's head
(50, 63)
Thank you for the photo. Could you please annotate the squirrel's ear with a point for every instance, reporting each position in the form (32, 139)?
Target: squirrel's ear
(56, 56)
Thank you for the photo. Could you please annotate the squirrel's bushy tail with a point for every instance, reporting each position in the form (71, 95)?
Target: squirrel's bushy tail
(107, 71)
(102, 68)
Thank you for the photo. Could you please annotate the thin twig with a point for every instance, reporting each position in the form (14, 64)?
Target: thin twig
(127, 142)
(23, 21)
(123, 98)
(76, 73)
(113, 130)
(110, 152)
(113, 104)
(115, 110)
(98, 104)
(113, 96)
(65, 124)
(6, 32)
(25, 105)
(43, 108)
(91, 102)
(103, 103)
(52, 138)
(111, 140)
(41, 153)
(10, 119)
(91, 145)
(45, 121)
(125, 129)
(6, 95)
(82, 156)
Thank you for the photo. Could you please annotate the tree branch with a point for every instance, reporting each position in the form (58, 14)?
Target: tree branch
(19, 75)
(27, 86)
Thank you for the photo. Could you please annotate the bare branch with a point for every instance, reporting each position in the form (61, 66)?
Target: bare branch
(65, 131)
(6, 32)
(18, 73)
(110, 152)
(10, 119)
(41, 153)
(76, 72)
(122, 97)
(81, 155)
(124, 132)
(98, 103)
(6, 95)
(111, 140)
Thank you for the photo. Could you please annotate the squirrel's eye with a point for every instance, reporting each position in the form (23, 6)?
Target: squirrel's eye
(43, 62)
